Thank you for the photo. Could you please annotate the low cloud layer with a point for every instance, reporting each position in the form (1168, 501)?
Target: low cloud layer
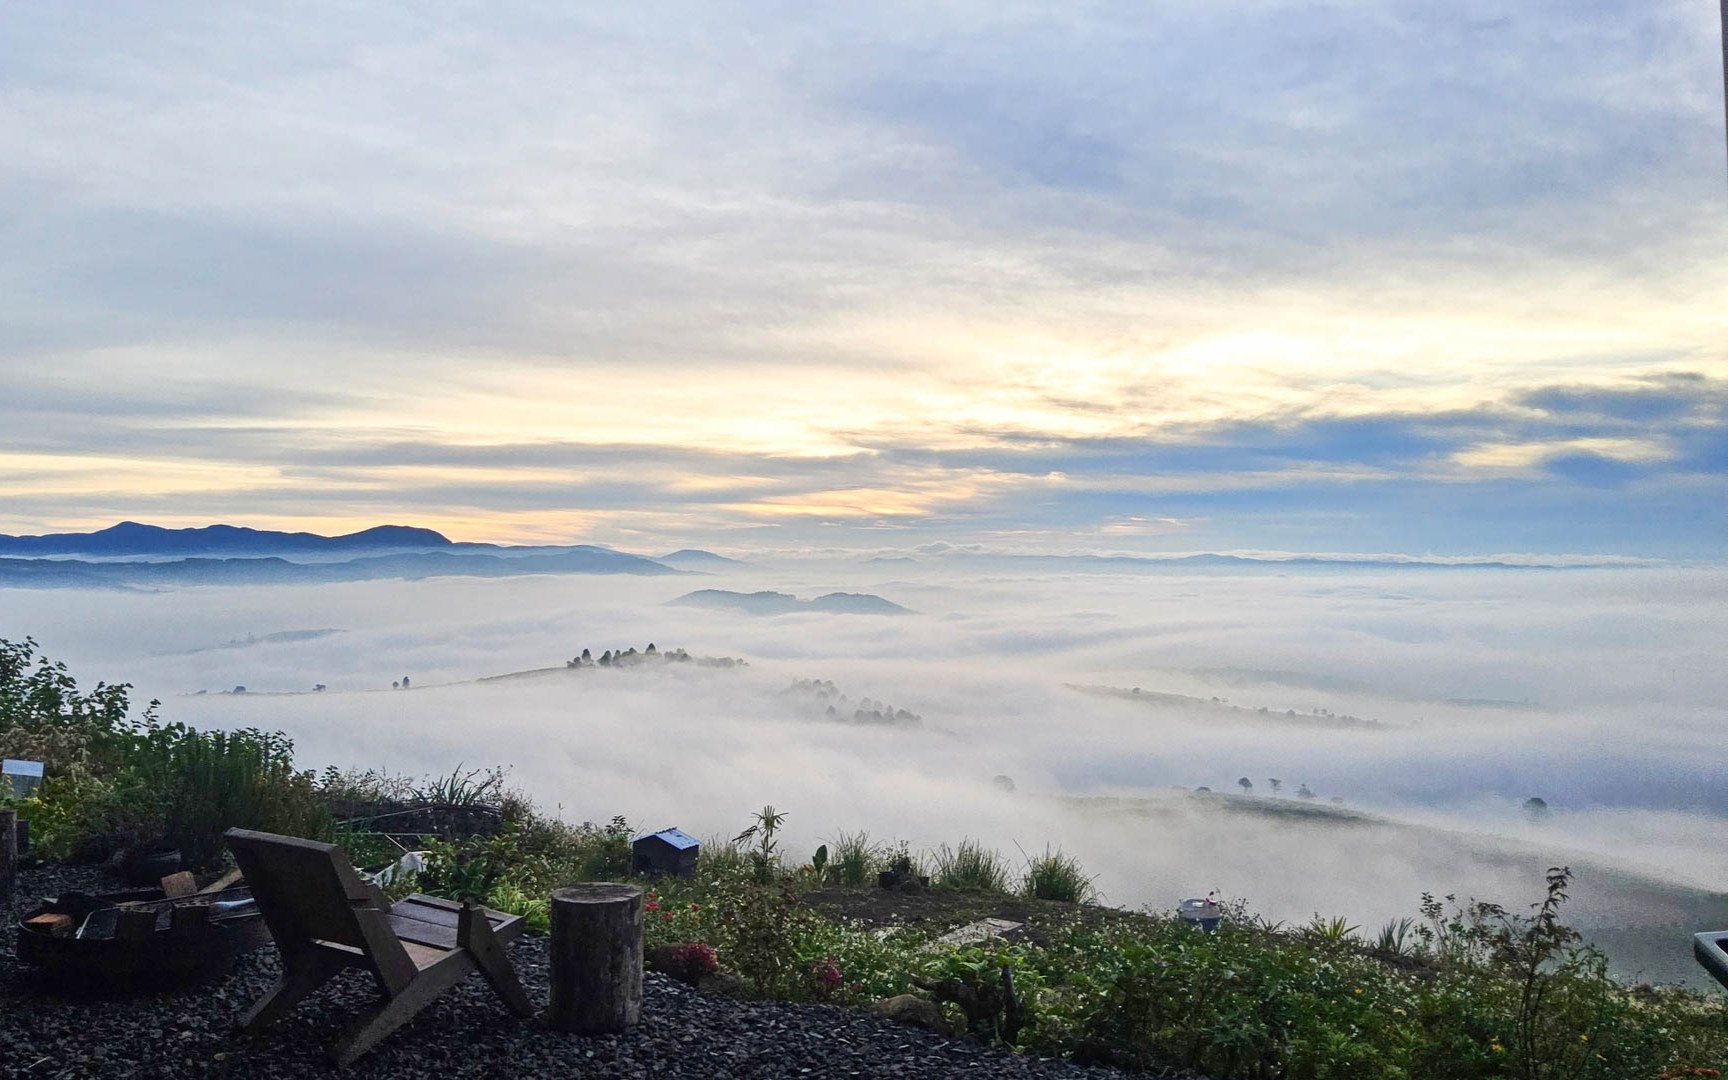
(1597, 690)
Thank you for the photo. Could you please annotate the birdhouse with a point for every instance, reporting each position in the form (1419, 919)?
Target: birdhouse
(670, 852)
(22, 777)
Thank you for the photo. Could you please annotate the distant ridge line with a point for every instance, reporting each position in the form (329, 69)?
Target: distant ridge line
(137, 538)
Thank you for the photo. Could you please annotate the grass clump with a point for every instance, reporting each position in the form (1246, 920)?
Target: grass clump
(1056, 876)
(854, 860)
(970, 867)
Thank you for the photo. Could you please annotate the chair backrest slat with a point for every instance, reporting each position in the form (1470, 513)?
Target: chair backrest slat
(307, 891)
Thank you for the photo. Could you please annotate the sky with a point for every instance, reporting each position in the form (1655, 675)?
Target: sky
(1199, 275)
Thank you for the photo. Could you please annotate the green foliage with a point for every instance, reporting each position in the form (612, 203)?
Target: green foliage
(855, 860)
(476, 787)
(38, 694)
(1055, 876)
(720, 857)
(970, 867)
(211, 781)
(1395, 937)
(765, 856)
(1324, 931)
(114, 780)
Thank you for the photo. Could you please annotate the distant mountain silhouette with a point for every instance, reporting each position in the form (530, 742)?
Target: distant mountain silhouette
(134, 538)
(777, 603)
(75, 573)
(697, 559)
(1276, 562)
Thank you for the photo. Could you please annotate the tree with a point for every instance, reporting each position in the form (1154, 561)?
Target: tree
(1276, 784)
(1304, 792)
(1535, 808)
(1246, 785)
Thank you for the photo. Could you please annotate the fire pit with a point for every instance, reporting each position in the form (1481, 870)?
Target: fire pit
(138, 939)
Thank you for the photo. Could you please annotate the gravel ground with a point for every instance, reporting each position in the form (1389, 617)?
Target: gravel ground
(468, 1033)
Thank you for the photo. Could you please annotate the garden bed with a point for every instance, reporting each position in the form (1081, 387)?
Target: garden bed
(683, 1033)
(937, 910)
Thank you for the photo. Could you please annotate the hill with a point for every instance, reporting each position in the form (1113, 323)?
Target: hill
(697, 559)
(777, 603)
(270, 570)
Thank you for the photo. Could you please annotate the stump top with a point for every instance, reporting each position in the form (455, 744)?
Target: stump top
(595, 892)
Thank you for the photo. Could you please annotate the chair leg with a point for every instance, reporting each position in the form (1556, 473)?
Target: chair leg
(425, 989)
(306, 973)
(474, 933)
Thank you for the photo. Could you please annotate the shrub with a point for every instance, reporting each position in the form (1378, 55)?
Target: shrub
(1055, 876)
(853, 860)
(115, 780)
(971, 867)
(215, 780)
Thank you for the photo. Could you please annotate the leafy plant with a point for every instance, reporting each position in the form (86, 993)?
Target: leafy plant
(765, 857)
(1395, 938)
(1334, 931)
(476, 787)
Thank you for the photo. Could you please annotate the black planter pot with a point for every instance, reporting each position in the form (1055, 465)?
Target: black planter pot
(149, 866)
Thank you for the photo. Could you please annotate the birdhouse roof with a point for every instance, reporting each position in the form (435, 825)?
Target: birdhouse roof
(675, 838)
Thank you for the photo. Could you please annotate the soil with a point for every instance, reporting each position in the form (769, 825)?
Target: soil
(939, 910)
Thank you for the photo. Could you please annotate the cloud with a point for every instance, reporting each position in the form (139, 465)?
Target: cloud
(1598, 690)
(1259, 246)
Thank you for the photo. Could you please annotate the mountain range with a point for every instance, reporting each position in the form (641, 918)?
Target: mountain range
(135, 538)
(131, 554)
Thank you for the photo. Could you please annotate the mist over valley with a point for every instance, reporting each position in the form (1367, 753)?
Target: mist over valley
(1390, 723)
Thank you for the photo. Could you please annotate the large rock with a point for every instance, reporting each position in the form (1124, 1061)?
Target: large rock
(915, 1011)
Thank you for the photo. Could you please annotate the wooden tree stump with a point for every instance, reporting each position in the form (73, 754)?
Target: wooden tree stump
(8, 852)
(596, 958)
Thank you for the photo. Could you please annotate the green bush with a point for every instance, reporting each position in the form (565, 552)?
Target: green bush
(114, 780)
(853, 860)
(971, 867)
(1055, 876)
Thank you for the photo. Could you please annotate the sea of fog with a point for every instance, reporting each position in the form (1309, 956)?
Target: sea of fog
(1420, 706)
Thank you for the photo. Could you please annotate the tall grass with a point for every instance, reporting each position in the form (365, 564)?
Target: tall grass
(1056, 876)
(210, 781)
(854, 860)
(722, 858)
(971, 867)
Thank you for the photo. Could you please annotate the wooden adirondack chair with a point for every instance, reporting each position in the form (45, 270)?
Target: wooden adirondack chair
(326, 918)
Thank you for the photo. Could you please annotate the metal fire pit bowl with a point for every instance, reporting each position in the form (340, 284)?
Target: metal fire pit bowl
(172, 951)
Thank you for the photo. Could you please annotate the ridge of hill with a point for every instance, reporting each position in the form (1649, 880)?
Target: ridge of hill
(778, 603)
(272, 570)
(137, 538)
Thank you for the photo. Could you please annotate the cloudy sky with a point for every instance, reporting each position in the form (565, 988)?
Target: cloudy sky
(1224, 274)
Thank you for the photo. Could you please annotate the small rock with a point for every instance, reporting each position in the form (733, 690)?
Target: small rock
(722, 983)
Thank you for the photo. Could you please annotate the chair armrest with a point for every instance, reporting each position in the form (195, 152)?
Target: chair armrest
(1711, 949)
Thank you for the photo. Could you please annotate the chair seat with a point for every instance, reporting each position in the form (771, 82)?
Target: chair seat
(432, 920)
